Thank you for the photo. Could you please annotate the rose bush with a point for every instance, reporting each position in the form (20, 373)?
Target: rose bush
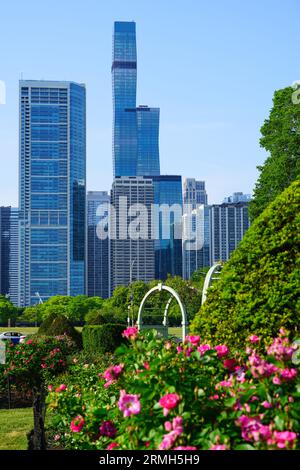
(158, 395)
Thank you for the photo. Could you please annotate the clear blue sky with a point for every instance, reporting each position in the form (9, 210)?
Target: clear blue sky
(211, 66)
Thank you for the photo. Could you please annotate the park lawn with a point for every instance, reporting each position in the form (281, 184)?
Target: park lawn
(20, 329)
(14, 425)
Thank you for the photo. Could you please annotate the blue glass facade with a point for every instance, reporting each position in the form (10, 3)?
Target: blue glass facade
(124, 76)
(168, 250)
(52, 189)
(148, 141)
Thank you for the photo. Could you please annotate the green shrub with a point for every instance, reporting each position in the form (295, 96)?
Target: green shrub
(259, 288)
(58, 325)
(102, 338)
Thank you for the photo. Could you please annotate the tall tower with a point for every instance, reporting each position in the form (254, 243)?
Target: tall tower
(97, 248)
(124, 76)
(52, 189)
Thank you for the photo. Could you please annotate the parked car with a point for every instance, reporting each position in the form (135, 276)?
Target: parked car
(12, 336)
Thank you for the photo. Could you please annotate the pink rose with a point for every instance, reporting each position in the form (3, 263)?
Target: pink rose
(129, 404)
(77, 424)
(130, 333)
(266, 404)
(254, 339)
(61, 388)
(202, 348)
(229, 364)
(222, 350)
(112, 446)
(218, 447)
(288, 374)
(284, 439)
(194, 340)
(168, 402)
(112, 373)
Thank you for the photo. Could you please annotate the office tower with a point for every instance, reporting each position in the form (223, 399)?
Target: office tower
(148, 141)
(124, 76)
(4, 249)
(196, 254)
(52, 190)
(14, 256)
(237, 197)
(132, 249)
(135, 130)
(9, 272)
(194, 192)
(229, 222)
(196, 240)
(97, 246)
(168, 243)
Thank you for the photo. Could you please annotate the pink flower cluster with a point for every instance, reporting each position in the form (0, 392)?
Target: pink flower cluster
(222, 350)
(130, 333)
(254, 430)
(168, 402)
(61, 388)
(112, 373)
(281, 348)
(194, 340)
(129, 404)
(175, 429)
(77, 424)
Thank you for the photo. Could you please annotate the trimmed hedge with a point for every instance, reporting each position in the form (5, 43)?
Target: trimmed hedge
(259, 288)
(57, 325)
(102, 338)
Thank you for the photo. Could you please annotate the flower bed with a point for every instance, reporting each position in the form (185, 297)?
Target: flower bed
(159, 395)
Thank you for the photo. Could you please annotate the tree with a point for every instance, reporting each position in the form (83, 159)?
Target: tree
(281, 138)
(259, 287)
(7, 310)
(33, 362)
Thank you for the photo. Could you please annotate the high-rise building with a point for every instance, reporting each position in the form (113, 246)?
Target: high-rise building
(196, 240)
(124, 76)
(168, 242)
(131, 245)
(148, 141)
(4, 249)
(237, 197)
(9, 236)
(229, 223)
(135, 129)
(196, 252)
(194, 192)
(97, 245)
(14, 256)
(52, 189)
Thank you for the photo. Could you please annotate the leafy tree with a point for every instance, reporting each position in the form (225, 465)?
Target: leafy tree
(281, 138)
(7, 310)
(259, 287)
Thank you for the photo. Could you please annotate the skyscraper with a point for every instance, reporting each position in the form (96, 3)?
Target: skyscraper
(9, 248)
(4, 249)
(196, 254)
(52, 189)
(124, 76)
(168, 242)
(194, 192)
(97, 248)
(229, 223)
(148, 141)
(132, 249)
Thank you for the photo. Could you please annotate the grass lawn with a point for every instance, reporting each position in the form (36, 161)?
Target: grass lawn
(20, 329)
(14, 424)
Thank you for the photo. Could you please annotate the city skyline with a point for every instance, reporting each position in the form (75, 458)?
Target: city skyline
(192, 116)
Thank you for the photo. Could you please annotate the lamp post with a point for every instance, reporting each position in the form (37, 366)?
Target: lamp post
(130, 307)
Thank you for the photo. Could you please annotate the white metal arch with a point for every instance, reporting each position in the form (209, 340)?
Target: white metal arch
(214, 271)
(160, 287)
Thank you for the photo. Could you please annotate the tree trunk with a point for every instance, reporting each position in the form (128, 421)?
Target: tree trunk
(38, 438)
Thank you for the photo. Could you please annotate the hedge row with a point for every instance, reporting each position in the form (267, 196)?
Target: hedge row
(102, 338)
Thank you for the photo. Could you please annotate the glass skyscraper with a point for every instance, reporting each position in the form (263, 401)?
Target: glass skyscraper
(98, 248)
(168, 249)
(9, 249)
(135, 130)
(148, 141)
(124, 76)
(52, 189)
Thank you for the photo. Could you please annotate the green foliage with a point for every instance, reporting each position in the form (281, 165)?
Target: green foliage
(59, 325)
(233, 405)
(281, 138)
(105, 315)
(259, 288)
(102, 338)
(7, 310)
